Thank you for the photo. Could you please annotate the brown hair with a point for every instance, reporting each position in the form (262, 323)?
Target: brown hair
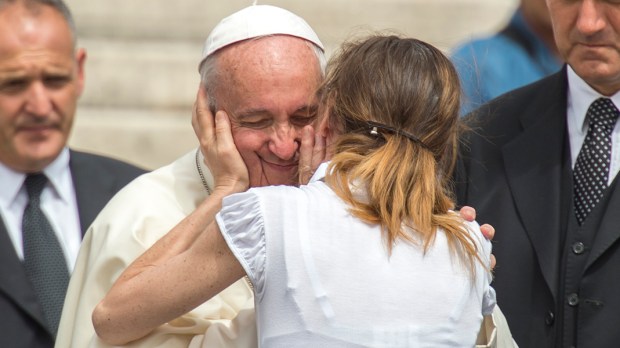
(412, 91)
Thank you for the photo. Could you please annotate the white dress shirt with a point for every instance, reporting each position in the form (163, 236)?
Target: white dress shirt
(58, 203)
(323, 277)
(580, 96)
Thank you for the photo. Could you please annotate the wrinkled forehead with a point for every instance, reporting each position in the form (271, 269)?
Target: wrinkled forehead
(278, 75)
(278, 59)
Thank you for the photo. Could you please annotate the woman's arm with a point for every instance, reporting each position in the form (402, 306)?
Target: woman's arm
(191, 263)
(150, 294)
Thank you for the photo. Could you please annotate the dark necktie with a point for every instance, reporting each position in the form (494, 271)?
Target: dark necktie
(592, 166)
(44, 260)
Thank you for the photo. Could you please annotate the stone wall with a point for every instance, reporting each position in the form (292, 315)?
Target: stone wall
(141, 70)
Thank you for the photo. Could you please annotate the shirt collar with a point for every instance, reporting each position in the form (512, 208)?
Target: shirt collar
(581, 96)
(56, 172)
(59, 175)
(10, 184)
(358, 190)
(320, 172)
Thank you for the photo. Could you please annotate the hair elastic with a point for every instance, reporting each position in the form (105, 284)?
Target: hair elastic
(375, 126)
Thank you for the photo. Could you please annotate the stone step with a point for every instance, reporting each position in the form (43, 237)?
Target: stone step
(141, 70)
(152, 74)
(147, 138)
(442, 22)
(162, 73)
(147, 55)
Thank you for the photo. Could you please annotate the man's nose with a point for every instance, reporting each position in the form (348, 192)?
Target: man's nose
(591, 18)
(284, 142)
(38, 102)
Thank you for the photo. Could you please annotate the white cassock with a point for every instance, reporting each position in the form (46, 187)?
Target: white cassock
(140, 214)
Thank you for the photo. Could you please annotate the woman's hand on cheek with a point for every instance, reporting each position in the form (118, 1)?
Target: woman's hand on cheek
(218, 147)
(311, 153)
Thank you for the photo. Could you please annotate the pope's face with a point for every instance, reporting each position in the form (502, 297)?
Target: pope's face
(587, 34)
(41, 79)
(267, 86)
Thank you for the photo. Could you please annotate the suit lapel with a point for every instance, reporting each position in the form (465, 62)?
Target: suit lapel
(14, 283)
(608, 231)
(92, 188)
(534, 167)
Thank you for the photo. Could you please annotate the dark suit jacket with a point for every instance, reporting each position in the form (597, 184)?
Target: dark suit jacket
(514, 168)
(96, 180)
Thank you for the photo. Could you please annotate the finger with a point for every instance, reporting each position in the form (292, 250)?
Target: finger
(488, 231)
(493, 262)
(205, 117)
(307, 145)
(468, 213)
(318, 152)
(306, 154)
(202, 118)
(223, 131)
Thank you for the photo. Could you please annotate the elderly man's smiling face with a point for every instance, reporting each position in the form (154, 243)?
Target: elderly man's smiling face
(267, 86)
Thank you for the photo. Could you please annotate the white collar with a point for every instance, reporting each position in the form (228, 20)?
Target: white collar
(59, 175)
(319, 173)
(12, 181)
(357, 189)
(10, 185)
(581, 96)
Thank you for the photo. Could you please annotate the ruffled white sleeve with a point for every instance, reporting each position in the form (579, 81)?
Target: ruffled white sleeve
(242, 225)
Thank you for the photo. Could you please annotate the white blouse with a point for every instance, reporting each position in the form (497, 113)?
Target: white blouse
(323, 278)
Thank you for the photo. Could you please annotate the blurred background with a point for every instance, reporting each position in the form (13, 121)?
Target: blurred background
(141, 70)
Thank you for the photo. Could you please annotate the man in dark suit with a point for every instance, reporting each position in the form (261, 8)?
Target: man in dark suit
(49, 195)
(540, 165)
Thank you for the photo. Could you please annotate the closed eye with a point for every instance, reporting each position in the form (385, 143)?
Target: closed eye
(13, 85)
(256, 124)
(304, 120)
(56, 81)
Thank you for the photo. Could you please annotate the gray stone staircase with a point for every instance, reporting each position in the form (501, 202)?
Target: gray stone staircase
(141, 69)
